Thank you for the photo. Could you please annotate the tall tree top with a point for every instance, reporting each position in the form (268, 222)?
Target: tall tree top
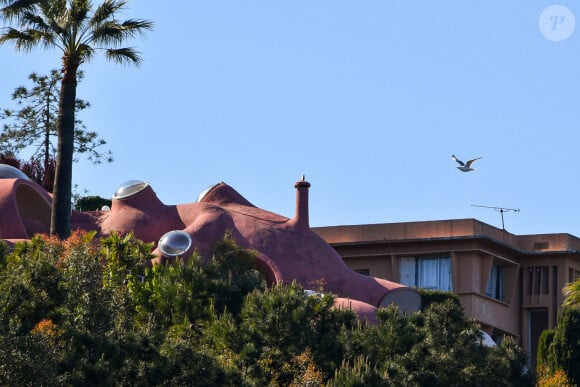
(75, 27)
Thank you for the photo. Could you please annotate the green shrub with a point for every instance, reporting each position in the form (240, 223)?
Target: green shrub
(92, 203)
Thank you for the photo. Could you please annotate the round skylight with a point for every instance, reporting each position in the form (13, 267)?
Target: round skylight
(10, 172)
(130, 188)
(204, 192)
(174, 243)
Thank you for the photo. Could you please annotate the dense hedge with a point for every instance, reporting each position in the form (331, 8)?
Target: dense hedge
(429, 297)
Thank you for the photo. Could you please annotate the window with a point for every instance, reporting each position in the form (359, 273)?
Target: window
(363, 271)
(130, 188)
(573, 274)
(538, 280)
(494, 287)
(426, 272)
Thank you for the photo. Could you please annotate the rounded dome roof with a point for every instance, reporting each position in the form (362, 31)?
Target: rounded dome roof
(10, 172)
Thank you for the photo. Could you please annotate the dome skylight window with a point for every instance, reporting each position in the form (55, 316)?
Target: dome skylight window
(10, 172)
(130, 188)
(174, 243)
(204, 192)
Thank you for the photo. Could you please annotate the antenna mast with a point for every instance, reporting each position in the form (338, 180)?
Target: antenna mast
(500, 210)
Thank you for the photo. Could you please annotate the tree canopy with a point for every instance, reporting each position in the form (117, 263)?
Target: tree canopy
(87, 311)
(33, 123)
(559, 348)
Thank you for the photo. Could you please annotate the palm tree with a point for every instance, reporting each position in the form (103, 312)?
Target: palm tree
(78, 30)
(572, 294)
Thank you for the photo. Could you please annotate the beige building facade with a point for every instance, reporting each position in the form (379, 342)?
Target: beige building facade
(511, 284)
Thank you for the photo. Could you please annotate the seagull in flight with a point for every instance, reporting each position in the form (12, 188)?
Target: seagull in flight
(464, 167)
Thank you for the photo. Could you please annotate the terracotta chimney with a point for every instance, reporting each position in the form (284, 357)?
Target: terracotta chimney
(301, 217)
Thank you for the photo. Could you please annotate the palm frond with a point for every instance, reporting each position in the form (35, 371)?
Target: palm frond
(12, 34)
(48, 39)
(125, 55)
(23, 40)
(85, 52)
(572, 294)
(107, 9)
(53, 9)
(77, 14)
(14, 9)
(136, 26)
(107, 33)
(114, 33)
(56, 27)
(34, 20)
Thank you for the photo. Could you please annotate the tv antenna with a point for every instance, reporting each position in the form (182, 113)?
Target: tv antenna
(501, 210)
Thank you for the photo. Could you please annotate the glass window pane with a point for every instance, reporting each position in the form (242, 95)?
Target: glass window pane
(491, 282)
(445, 274)
(428, 273)
(499, 293)
(494, 286)
(407, 271)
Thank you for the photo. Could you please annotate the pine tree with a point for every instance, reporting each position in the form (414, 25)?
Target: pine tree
(33, 125)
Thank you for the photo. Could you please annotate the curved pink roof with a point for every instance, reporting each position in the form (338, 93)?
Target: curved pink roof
(287, 249)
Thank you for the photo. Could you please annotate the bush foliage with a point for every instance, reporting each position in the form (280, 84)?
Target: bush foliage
(93, 312)
(92, 203)
(559, 350)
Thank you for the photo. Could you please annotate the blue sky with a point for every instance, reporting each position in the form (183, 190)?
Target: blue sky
(367, 99)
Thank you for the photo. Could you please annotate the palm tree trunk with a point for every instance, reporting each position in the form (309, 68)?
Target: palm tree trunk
(45, 176)
(62, 191)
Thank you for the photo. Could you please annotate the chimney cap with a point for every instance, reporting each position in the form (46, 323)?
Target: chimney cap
(302, 183)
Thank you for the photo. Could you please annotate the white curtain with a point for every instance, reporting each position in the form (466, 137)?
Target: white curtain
(407, 271)
(445, 274)
(429, 273)
(426, 273)
(495, 283)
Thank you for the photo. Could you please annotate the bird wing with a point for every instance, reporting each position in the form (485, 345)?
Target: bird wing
(457, 160)
(468, 164)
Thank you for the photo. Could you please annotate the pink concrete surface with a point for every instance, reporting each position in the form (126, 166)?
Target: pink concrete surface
(287, 249)
(363, 310)
(24, 209)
